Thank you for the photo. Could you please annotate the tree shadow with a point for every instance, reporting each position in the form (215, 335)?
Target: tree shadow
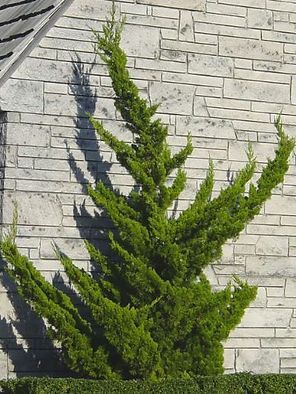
(23, 338)
(24, 346)
(23, 335)
(92, 227)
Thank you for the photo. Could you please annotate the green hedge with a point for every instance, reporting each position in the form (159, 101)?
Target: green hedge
(238, 384)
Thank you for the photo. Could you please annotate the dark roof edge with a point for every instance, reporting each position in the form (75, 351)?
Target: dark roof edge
(58, 12)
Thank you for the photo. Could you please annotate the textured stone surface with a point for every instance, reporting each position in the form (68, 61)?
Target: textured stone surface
(210, 65)
(29, 96)
(221, 71)
(281, 266)
(201, 127)
(272, 246)
(175, 99)
(257, 361)
(34, 208)
(261, 317)
(258, 91)
(250, 49)
(140, 42)
(196, 5)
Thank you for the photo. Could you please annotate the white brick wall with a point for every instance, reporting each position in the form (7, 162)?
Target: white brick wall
(222, 69)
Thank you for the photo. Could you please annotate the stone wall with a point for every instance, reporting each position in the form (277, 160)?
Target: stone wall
(222, 69)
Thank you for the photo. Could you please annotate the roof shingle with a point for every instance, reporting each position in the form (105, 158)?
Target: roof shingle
(22, 24)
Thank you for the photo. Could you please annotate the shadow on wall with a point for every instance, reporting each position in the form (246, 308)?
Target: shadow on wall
(25, 348)
(90, 227)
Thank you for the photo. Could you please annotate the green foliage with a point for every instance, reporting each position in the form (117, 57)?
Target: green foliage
(238, 384)
(152, 313)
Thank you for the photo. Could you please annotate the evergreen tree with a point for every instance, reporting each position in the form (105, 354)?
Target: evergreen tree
(151, 312)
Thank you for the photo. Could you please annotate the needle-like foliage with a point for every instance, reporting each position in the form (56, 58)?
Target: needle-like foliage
(151, 311)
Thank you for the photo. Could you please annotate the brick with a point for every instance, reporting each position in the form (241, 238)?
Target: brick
(290, 289)
(244, 3)
(242, 343)
(231, 31)
(281, 205)
(278, 342)
(226, 269)
(25, 162)
(252, 333)
(57, 104)
(280, 266)
(288, 353)
(275, 36)
(191, 79)
(34, 208)
(275, 291)
(55, 88)
(189, 47)
(250, 49)
(266, 318)
(200, 107)
(243, 63)
(229, 358)
(201, 38)
(260, 19)
(186, 26)
(200, 127)
(226, 9)
(266, 219)
(137, 9)
(281, 302)
(165, 12)
(293, 92)
(45, 70)
(288, 363)
(44, 53)
(281, 6)
(3, 365)
(262, 76)
(244, 249)
(195, 5)
(74, 249)
(237, 151)
(140, 42)
(28, 135)
(177, 56)
(258, 91)
(208, 91)
(174, 98)
(20, 95)
(169, 34)
(257, 360)
(282, 16)
(228, 103)
(272, 246)
(160, 65)
(285, 332)
(67, 45)
(237, 114)
(29, 173)
(220, 19)
(52, 164)
(210, 65)
(87, 9)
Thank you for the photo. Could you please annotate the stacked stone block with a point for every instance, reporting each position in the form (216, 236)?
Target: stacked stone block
(222, 69)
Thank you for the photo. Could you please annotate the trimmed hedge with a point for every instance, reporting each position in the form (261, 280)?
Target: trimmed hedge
(238, 383)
